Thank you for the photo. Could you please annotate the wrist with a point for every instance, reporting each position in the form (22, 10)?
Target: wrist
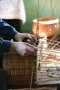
(13, 45)
(18, 37)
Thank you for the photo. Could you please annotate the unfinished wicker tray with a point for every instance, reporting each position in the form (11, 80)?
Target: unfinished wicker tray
(48, 64)
(18, 68)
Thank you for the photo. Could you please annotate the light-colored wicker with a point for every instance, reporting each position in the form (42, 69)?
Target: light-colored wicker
(18, 68)
(48, 64)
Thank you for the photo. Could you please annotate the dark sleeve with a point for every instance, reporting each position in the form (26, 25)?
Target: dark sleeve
(4, 45)
(7, 31)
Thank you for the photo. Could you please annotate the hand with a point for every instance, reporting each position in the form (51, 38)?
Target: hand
(24, 49)
(22, 36)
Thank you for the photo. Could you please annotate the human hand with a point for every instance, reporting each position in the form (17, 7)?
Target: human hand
(23, 48)
(24, 36)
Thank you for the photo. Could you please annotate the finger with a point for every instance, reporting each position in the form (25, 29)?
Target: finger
(29, 52)
(32, 37)
(31, 46)
(26, 36)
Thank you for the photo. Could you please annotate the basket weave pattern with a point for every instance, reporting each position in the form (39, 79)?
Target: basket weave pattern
(18, 68)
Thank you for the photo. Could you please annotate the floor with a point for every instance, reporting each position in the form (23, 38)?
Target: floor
(44, 88)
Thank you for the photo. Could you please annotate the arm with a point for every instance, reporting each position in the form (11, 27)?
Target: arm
(4, 45)
(7, 32)
(20, 47)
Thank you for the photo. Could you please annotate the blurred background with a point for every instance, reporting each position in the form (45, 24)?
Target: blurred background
(39, 8)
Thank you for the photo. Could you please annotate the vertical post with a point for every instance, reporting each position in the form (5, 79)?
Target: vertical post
(42, 45)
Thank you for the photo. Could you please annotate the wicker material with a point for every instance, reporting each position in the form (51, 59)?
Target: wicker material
(48, 64)
(18, 68)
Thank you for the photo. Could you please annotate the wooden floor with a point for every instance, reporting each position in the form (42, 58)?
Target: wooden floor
(45, 88)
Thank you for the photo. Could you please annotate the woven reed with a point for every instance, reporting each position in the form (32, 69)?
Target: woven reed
(18, 68)
(48, 64)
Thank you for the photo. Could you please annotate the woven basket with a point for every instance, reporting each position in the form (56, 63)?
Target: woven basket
(18, 68)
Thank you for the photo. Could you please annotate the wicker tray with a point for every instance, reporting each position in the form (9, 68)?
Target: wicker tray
(18, 68)
(48, 64)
